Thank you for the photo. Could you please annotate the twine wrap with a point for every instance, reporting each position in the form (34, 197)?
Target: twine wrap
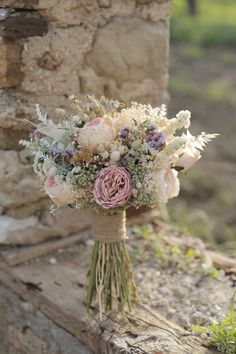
(109, 228)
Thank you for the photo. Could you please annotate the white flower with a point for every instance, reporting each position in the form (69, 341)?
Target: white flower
(95, 132)
(114, 156)
(191, 152)
(170, 153)
(52, 171)
(104, 154)
(130, 117)
(181, 121)
(48, 167)
(184, 117)
(61, 193)
(167, 184)
(189, 158)
(121, 149)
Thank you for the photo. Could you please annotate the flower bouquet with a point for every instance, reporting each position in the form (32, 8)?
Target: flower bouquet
(106, 157)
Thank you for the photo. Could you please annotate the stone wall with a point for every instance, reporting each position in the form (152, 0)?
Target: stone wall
(50, 50)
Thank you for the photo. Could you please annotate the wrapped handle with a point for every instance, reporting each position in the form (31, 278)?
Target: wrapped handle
(109, 228)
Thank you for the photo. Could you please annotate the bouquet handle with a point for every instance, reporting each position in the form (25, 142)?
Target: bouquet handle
(110, 277)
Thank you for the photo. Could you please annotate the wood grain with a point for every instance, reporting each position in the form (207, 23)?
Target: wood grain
(58, 294)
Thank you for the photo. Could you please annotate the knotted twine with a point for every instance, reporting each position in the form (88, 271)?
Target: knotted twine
(109, 228)
(110, 276)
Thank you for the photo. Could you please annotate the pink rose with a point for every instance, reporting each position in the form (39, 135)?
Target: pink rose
(189, 158)
(113, 187)
(61, 193)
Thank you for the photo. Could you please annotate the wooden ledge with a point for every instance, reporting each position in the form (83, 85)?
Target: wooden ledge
(57, 292)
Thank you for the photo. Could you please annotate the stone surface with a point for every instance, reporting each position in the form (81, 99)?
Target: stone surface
(10, 70)
(52, 49)
(127, 61)
(16, 111)
(42, 226)
(18, 184)
(20, 4)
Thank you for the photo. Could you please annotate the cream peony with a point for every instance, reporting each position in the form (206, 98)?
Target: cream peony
(61, 193)
(189, 158)
(167, 184)
(94, 133)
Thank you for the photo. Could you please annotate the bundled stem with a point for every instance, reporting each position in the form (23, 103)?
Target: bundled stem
(110, 277)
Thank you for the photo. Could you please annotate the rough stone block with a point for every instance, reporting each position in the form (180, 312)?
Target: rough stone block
(18, 184)
(128, 58)
(44, 226)
(20, 4)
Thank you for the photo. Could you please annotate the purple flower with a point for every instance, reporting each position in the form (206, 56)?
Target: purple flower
(155, 139)
(124, 132)
(59, 151)
(34, 134)
(112, 187)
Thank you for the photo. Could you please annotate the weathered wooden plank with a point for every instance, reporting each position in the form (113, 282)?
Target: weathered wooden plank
(57, 291)
(220, 260)
(24, 330)
(18, 255)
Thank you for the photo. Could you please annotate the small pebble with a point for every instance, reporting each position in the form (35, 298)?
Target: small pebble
(52, 261)
(203, 336)
(90, 243)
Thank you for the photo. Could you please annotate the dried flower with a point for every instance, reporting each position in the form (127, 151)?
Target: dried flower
(114, 156)
(113, 187)
(104, 149)
(94, 133)
(155, 139)
(61, 193)
(188, 159)
(167, 184)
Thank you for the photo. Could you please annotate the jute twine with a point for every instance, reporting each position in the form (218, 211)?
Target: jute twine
(109, 228)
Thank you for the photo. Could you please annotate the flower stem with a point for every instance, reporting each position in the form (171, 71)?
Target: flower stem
(110, 277)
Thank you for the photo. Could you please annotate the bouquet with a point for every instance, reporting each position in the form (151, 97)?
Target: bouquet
(106, 157)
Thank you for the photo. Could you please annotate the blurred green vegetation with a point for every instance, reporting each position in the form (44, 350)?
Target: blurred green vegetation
(219, 90)
(202, 78)
(213, 24)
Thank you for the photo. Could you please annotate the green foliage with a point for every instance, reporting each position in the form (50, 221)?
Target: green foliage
(221, 335)
(212, 272)
(145, 231)
(214, 23)
(193, 222)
